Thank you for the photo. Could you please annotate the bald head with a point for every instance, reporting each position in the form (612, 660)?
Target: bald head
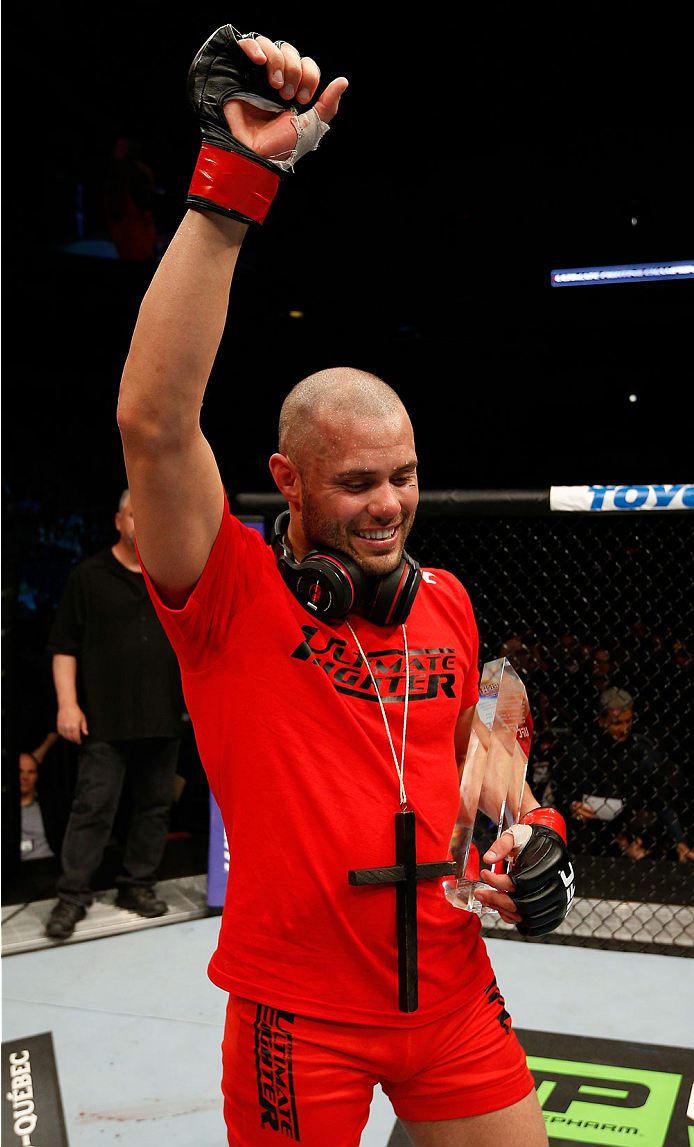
(328, 401)
(347, 466)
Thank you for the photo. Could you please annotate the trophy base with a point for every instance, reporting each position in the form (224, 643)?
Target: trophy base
(461, 894)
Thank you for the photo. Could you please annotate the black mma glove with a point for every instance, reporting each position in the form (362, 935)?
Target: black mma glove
(231, 179)
(542, 873)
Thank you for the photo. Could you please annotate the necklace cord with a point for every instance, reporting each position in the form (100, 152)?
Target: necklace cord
(399, 766)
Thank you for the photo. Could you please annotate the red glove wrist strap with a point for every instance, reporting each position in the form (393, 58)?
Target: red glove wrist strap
(547, 816)
(234, 182)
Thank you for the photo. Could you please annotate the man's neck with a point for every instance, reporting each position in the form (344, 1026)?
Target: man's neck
(297, 542)
(126, 556)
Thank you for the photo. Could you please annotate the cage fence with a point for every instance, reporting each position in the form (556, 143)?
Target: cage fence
(594, 611)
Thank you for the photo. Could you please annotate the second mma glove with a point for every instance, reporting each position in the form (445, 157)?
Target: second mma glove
(541, 871)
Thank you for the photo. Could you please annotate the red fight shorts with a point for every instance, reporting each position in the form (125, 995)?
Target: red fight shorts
(288, 1077)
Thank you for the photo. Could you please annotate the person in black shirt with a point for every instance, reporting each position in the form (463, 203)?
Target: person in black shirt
(119, 698)
(616, 782)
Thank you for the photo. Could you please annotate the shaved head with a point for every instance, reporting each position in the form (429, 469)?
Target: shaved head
(328, 401)
(348, 468)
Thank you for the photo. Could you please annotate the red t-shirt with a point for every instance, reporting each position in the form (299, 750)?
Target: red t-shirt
(293, 742)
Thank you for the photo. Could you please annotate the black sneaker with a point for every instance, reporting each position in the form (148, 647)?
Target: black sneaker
(141, 900)
(63, 918)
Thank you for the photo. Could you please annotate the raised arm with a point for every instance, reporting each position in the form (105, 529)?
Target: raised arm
(172, 473)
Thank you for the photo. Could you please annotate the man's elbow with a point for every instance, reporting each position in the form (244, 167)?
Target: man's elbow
(134, 415)
(125, 416)
(146, 427)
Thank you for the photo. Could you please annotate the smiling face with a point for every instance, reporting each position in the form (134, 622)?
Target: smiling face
(359, 491)
(348, 468)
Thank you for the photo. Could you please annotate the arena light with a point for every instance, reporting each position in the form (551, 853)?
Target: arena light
(625, 273)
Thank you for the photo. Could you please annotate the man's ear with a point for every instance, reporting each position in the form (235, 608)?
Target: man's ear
(286, 478)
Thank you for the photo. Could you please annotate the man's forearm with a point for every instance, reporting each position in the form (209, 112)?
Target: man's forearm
(71, 722)
(179, 329)
(173, 476)
(47, 743)
(528, 801)
(65, 678)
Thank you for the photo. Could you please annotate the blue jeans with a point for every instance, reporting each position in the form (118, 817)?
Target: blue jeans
(102, 768)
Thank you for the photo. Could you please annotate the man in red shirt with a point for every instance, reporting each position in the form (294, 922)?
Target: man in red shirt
(301, 664)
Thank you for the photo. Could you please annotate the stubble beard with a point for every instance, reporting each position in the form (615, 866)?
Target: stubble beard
(321, 531)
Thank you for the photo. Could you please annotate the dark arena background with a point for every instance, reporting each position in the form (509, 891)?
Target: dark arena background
(475, 152)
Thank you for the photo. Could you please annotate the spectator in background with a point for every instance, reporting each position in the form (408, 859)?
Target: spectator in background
(570, 690)
(128, 204)
(119, 698)
(35, 843)
(684, 658)
(617, 790)
(602, 670)
(668, 684)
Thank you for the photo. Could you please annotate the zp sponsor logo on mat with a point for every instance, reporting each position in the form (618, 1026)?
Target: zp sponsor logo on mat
(604, 1105)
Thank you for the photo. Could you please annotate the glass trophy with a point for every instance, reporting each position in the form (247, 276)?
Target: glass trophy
(493, 775)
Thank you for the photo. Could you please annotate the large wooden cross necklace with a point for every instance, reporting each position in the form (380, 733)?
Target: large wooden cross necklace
(405, 872)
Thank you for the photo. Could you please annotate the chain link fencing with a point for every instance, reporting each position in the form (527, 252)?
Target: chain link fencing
(595, 612)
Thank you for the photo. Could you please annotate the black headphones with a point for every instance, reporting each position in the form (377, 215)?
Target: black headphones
(329, 584)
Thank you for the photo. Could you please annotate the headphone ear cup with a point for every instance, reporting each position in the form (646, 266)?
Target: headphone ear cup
(390, 600)
(329, 584)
